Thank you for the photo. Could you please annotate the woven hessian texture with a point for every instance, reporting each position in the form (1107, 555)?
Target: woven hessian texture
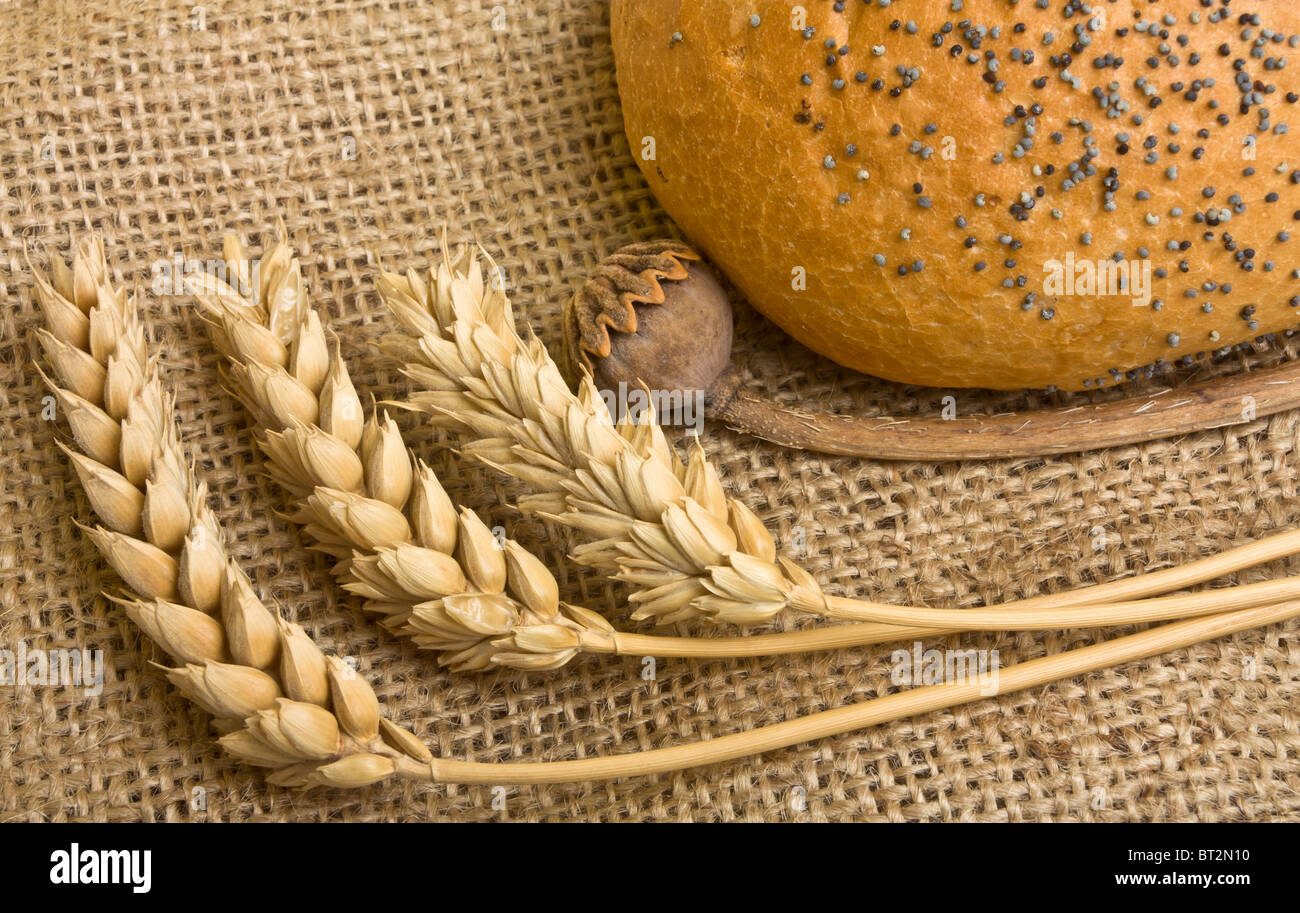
(130, 119)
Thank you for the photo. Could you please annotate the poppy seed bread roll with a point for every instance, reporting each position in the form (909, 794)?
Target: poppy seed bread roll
(981, 193)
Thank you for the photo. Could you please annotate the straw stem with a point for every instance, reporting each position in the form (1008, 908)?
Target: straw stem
(827, 723)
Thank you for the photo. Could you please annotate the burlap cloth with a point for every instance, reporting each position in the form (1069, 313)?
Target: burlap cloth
(128, 118)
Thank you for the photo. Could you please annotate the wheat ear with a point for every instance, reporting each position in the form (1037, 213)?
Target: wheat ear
(435, 574)
(282, 703)
(665, 527)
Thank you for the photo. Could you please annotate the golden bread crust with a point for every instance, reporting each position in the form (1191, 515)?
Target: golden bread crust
(750, 137)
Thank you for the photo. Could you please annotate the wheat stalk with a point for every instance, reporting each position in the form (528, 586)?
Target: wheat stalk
(897, 706)
(667, 528)
(282, 703)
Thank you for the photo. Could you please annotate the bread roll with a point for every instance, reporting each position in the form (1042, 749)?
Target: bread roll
(919, 189)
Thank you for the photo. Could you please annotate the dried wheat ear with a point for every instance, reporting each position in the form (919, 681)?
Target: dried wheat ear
(439, 576)
(435, 573)
(667, 528)
(280, 701)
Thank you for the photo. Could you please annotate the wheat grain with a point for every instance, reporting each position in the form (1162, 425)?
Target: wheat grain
(281, 701)
(666, 527)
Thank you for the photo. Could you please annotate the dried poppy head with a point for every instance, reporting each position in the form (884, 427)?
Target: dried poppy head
(651, 315)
